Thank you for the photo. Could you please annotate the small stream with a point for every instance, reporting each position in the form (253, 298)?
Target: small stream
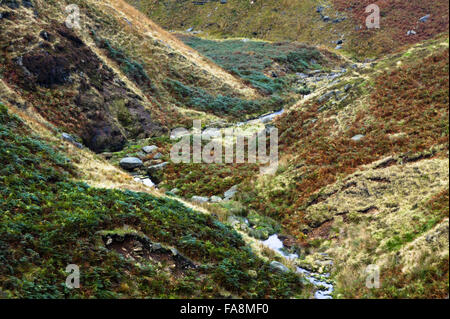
(324, 288)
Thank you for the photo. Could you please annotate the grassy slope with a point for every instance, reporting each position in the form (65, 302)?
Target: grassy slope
(298, 20)
(401, 106)
(49, 221)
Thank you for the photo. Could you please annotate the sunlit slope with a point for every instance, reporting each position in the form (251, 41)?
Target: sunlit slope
(315, 22)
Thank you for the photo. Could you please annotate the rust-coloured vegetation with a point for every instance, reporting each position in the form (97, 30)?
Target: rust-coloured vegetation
(411, 101)
(396, 19)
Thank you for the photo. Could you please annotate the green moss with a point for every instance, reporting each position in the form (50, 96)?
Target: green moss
(199, 99)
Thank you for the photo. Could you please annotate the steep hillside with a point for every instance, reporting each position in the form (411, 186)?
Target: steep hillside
(109, 81)
(320, 22)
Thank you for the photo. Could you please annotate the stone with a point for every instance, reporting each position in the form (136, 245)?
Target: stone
(215, 199)
(70, 139)
(229, 194)
(325, 97)
(411, 32)
(279, 266)
(338, 47)
(149, 149)
(425, 18)
(141, 155)
(175, 190)
(148, 182)
(157, 156)
(156, 168)
(357, 137)
(130, 163)
(200, 199)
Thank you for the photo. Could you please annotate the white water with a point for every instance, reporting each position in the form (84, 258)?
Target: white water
(324, 289)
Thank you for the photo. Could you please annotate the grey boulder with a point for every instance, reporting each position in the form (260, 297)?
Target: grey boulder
(69, 138)
(130, 163)
(279, 266)
(200, 199)
(149, 149)
(229, 194)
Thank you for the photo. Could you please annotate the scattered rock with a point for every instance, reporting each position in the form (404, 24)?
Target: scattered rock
(425, 18)
(157, 156)
(338, 20)
(156, 168)
(229, 194)
(150, 149)
(175, 191)
(130, 163)
(70, 139)
(411, 32)
(215, 199)
(358, 137)
(279, 266)
(325, 97)
(301, 75)
(148, 182)
(133, 243)
(200, 199)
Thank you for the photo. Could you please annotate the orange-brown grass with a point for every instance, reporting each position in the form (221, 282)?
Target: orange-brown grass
(397, 18)
(439, 204)
(412, 100)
